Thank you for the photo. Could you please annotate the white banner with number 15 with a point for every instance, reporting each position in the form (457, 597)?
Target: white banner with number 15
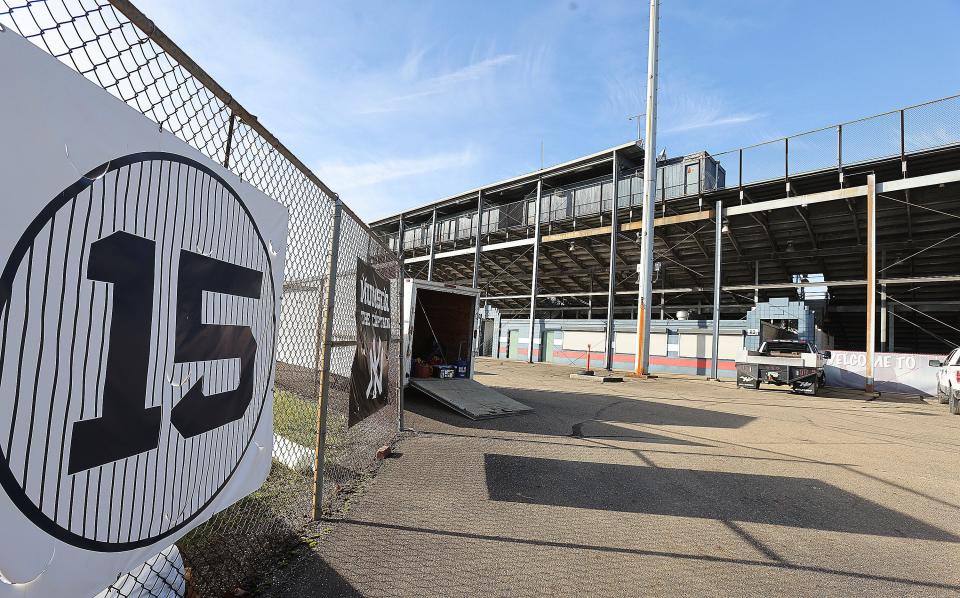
(139, 298)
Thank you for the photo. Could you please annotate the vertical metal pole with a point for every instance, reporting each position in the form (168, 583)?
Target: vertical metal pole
(433, 243)
(891, 327)
(663, 297)
(756, 281)
(717, 251)
(740, 170)
(477, 248)
(229, 147)
(883, 318)
(536, 270)
(903, 145)
(401, 381)
(786, 158)
(840, 152)
(649, 190)
(398, 307)
(871, 277)
(883, 304)
(324, 361)
(400, 233)
(612, 284)
(590, 300)
(478, 317)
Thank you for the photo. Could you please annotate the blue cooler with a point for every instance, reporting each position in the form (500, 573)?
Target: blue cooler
(461, 368)
(444, 372)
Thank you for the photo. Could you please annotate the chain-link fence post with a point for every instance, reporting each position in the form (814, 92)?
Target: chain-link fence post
(323, 362)
(229, 147)
(402, 377)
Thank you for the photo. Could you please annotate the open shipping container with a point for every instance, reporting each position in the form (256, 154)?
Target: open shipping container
(440, 319)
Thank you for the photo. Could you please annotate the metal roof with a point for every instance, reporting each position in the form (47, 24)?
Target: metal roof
(557, 169)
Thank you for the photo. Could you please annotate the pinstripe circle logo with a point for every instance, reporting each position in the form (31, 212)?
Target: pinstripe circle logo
(138, 329)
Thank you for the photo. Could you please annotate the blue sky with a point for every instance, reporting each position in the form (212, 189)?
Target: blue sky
(398, 103)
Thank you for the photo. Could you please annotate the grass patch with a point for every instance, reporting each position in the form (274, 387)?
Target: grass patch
(294, 418)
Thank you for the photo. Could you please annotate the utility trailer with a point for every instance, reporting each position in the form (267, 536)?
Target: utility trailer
(792, 363)
(440, 318)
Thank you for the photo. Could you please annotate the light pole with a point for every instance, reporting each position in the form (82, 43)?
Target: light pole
(649, 195)
(637, 118)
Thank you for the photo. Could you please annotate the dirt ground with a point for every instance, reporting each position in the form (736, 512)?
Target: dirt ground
(656, 487)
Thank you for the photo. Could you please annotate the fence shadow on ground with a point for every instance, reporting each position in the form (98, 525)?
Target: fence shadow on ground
(777, 500)
(308, 575)
(570, 414)
(242, 544)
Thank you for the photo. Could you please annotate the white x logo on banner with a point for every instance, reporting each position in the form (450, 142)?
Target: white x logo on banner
(375, 357)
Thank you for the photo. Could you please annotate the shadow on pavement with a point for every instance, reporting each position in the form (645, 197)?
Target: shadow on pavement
(770, 565)
(777, 500)
(598, 429)
(558, 414)
(309, 575)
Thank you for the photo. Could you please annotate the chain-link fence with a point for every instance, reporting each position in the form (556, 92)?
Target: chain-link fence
(114, 45)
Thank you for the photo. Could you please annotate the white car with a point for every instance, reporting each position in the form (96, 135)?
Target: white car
(948, 380)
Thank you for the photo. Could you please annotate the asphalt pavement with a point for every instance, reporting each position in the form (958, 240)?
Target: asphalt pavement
(663, 487)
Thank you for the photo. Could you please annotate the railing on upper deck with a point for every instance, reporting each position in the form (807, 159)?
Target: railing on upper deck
(900, 133)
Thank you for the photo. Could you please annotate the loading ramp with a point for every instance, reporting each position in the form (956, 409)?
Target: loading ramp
(470, 398)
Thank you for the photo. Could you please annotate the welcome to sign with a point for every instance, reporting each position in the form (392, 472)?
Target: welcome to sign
(892, 372)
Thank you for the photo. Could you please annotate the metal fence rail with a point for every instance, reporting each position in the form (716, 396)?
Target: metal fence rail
(899, 133)
(114, 45)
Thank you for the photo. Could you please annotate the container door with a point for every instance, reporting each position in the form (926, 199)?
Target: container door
(513, 342)
(546, 346)
(692, 181)
(486, 347)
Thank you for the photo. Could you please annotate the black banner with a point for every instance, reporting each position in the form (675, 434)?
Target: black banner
(369, 387)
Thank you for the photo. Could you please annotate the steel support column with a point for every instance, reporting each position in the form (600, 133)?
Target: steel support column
(536, 271)
(756, 281)
(433, 244)
(884, 339)
(717, 251)
(891, 328)
(478, 319)
(400, 231)
(612, 285)
(590, 300)
(871, 279)
(478, 245)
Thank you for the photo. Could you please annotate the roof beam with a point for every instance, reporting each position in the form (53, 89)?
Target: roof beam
(696, 278)
(804, 214)
(589, 251)
(785, 285)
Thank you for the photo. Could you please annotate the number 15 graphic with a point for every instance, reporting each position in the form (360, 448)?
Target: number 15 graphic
(126, 426)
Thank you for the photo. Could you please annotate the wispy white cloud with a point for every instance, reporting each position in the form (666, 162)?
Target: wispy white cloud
(705, 121)
(688, 107)
(352, 175)
(684, 105)
(439, 84)
(410, 68)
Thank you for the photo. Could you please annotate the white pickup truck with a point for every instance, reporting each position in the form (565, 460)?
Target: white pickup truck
(948, 380)
(793, 363)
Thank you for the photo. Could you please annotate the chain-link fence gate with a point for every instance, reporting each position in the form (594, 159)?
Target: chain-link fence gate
(114, 45)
